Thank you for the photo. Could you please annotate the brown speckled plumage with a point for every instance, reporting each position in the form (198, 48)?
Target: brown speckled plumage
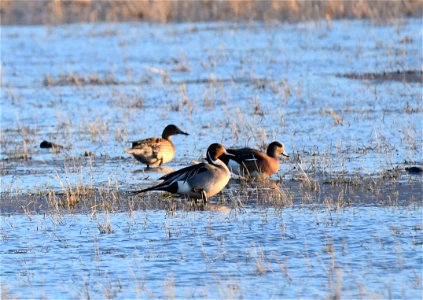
(156, 151)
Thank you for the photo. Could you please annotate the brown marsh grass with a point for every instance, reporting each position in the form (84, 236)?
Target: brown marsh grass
(334, 194)
(59, 11)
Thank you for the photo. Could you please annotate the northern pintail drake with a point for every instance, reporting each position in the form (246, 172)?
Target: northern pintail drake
(156, 151)
(247, 162)
(199, 181)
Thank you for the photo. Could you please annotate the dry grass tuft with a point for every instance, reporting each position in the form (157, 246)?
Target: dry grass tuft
(336, 118)
(106, 227)
(75, 79)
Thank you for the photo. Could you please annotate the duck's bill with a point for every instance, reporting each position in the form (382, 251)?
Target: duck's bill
(184, 133)
(229, 154)
(285, 154)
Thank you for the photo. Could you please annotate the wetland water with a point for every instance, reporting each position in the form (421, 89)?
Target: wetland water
(93, 88)
(295, 252)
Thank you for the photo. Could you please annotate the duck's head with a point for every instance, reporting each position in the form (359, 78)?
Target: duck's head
(214, 152)
(172, 130)
(275, 149)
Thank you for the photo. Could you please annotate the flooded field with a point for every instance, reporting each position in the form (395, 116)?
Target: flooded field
(361, 252)
(341, 219)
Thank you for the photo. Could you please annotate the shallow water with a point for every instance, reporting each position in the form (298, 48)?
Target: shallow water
(238, 84)
(93, 88)
(257, 253)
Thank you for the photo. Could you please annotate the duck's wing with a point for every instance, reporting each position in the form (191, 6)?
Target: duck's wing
(240, 151)
(170, 180)
(147, 147)
(180, 175)
(185, 173)
(244, 155)
(144, 142)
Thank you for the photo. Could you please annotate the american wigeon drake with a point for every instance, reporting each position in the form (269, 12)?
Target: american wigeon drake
(156, 151)
(199, 181)
(247, 162)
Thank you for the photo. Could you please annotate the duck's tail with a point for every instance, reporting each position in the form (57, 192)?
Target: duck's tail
(171, 187)
(129, 150)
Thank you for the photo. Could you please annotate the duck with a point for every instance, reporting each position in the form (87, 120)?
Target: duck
(252, 163)
(198, 181)
(156, 151)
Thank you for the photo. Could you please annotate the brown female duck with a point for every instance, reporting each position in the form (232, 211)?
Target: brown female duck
(156, 151)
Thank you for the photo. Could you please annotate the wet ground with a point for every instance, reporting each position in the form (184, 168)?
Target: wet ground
(342, 217)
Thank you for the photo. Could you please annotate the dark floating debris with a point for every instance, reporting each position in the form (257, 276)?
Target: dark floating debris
(89, 154)
(50, 145)
(414, 170)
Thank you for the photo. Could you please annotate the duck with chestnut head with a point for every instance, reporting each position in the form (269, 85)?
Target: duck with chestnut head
(199, 181)
(247, 162)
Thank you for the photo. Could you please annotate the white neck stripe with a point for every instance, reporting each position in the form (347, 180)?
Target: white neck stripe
(214, 162)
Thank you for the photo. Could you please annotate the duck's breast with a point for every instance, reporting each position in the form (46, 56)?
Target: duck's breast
(212, 181)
